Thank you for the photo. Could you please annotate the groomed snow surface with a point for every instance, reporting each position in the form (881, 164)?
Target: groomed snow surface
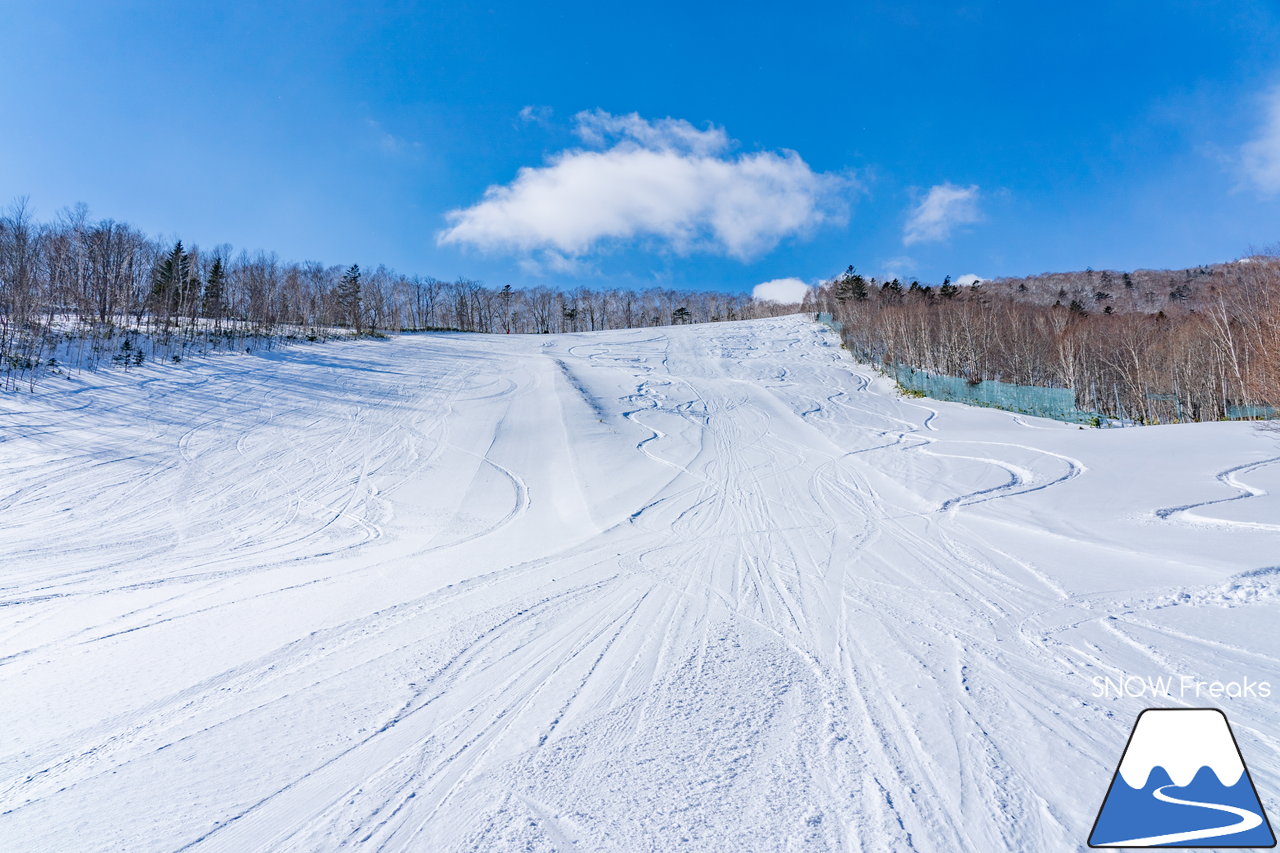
(706, 588)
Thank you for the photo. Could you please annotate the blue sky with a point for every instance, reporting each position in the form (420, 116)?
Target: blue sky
(712, 147)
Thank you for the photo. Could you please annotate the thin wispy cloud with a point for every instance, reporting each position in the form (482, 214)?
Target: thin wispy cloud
(1260, 156)
(899, 266)
(943, 209)
(530, 114)
(599, 128)
(664, 183)
(388, 142)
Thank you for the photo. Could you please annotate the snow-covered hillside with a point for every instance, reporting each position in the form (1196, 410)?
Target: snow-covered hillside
(707, 587)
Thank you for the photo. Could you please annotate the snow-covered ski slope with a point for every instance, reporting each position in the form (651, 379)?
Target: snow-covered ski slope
(696, 588)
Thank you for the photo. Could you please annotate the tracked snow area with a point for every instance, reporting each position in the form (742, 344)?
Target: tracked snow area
(706, 588)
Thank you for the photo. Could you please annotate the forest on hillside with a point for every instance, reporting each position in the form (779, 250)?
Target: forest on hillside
(1146, 291)
(1144, 347)
(1207, 348)
(78, 293)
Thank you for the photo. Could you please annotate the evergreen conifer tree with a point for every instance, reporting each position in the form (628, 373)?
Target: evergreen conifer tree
(348, 297)
(168, 278)
(214, 290)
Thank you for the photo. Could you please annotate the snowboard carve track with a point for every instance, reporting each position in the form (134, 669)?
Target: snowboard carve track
(1229, 477)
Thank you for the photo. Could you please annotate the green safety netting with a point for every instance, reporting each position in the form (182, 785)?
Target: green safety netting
(1252, 413)
(1056, 403)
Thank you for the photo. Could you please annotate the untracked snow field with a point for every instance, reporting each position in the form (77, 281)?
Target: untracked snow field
(695, 588)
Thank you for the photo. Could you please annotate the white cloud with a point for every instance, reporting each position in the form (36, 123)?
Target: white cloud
(1260, 157)
(943, 208)
(784, 290)
(968, 279)
(665, 181)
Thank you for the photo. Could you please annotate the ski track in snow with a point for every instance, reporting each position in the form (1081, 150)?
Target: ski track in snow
(704, 588)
